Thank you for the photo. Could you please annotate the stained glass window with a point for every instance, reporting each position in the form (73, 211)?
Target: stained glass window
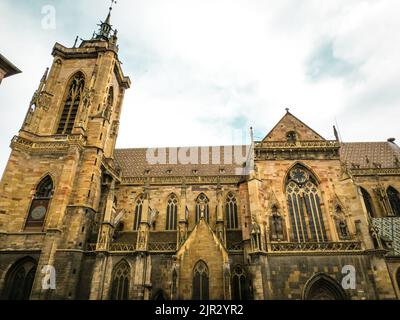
(304, 205)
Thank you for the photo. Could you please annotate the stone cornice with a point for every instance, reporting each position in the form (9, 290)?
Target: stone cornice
(92, 52)
(319, 145)
(375, 172)
(48, 144)
(77, 53)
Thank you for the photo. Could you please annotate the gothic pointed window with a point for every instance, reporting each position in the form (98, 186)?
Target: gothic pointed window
(202, 208)
(394, 199)
(40, 204)
(138, 212)
(238, 284)
(72, 102)
(291, 137)
(368, 202)
(304, 204)
(200, 281)
(19, 280)
(172, 213)
(120, 282)
(231, 210)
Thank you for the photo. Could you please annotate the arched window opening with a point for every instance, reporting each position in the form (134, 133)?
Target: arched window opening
(71, 104)
(368, 202)
(322, 287)
(19, 280)
(291, 137)
(202, 208)
(305, 206)
(231, 209)
(138, 212)
(40, 203)
(172, 213)
(120, 282)
(239, 291)
(394, 199)
(200, 281)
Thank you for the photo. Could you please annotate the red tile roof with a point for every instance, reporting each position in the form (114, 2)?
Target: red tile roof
(134, 163)
(370, 154)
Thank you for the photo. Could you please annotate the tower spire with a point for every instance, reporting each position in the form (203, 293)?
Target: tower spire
(105, 27)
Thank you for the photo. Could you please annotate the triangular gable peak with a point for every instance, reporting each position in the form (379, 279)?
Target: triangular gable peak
(203, 236)
(288, 125)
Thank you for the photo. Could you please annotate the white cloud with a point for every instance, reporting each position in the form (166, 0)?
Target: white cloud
(199, 67)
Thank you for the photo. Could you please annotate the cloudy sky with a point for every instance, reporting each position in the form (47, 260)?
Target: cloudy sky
(204, 71)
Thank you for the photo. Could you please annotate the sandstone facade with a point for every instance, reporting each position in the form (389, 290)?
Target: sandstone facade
(290, 220)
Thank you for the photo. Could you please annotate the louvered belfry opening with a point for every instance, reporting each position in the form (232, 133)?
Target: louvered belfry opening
(71, 104)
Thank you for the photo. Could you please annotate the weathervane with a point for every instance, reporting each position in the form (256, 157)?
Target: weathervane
(112, 3)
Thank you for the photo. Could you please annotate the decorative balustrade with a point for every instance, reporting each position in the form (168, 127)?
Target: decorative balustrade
(162, 246)
(389, 228)
(91, 247)
(122, 247)
(347, 246)
(298, 144)
(129, 247)
(114, 247)
(235, 246)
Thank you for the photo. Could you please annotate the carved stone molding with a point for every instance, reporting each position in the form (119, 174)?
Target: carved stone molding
(375, 172)
(49, 146)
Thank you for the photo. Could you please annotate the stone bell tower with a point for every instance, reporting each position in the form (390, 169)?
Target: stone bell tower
(60, 177)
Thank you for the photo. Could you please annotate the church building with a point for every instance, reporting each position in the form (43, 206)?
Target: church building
(294, 216)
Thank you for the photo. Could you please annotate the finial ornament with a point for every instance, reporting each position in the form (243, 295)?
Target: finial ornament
(336, 133)
(287, 109)
(76, 41)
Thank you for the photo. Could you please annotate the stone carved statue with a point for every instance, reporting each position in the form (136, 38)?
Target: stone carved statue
(343, 229)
